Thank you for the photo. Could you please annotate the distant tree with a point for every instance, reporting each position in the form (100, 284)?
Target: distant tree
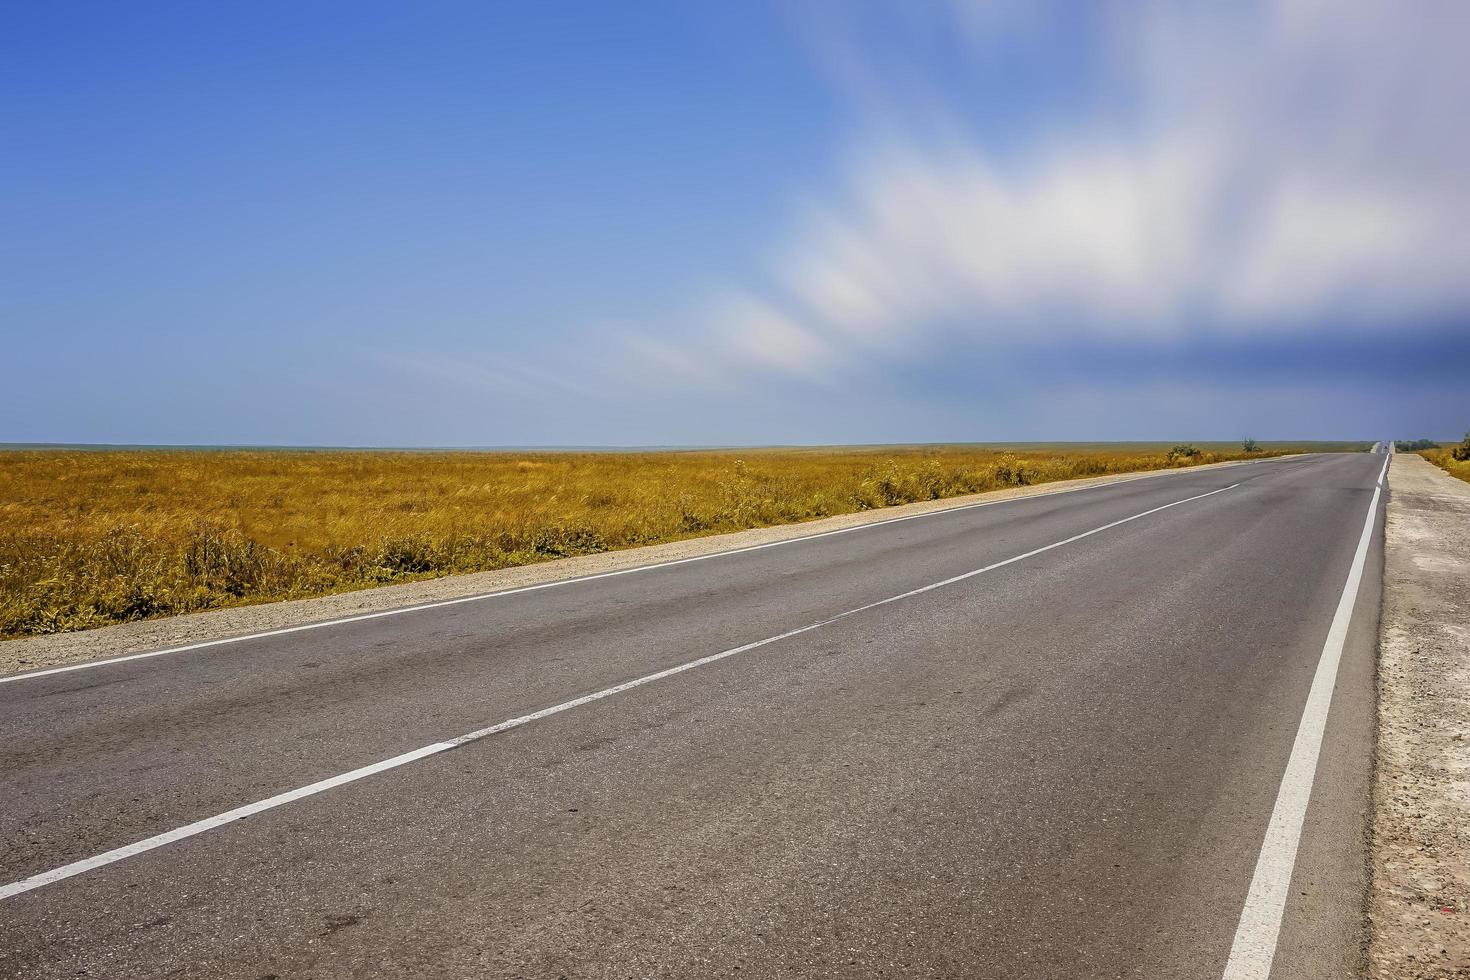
(1414, 445)
(1462, 451)
(1250, 445)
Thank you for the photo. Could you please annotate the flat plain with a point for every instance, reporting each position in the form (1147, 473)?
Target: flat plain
(96, 536)
(1039, 738)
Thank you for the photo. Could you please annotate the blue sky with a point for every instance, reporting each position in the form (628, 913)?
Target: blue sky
(689, 223)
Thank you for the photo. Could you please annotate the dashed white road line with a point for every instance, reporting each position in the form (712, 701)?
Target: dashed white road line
(219, 820)
(1254, 947)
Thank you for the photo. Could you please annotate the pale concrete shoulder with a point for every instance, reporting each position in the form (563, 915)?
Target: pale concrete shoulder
(1421, 877)
(33, 653)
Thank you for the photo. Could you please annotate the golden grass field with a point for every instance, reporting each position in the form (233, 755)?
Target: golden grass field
(89, 537)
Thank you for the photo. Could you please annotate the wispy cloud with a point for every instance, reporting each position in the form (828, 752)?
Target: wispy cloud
(494, 375)
(1211, 185)
(1246, 169)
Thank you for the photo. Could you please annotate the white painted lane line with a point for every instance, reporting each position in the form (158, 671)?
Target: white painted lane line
(210, 823)
(1256, 934)
(219, 820)
(363, 617)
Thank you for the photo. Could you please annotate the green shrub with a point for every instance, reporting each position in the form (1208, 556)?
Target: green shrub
(1183, 451)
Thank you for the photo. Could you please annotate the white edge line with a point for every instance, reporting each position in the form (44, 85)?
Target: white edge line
(1254, 946)
(363, 617)
(209, 823)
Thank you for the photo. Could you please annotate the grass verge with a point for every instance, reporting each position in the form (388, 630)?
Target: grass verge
(1445, 460)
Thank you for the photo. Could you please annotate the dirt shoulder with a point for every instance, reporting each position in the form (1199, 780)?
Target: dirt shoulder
(1420, 906)
(34, 653)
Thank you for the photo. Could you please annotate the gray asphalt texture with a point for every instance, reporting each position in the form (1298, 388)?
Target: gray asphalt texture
(1061, 768)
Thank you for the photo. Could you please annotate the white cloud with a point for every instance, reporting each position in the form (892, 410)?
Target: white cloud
(1249, 168)
(763, 336)
(1314, 247)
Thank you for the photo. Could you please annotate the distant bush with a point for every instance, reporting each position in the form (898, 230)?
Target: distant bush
(1462, 451)
(1184, 452)
(1414, 445)
(1250, 445)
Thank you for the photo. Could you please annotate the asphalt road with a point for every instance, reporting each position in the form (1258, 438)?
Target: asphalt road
(1062, 767)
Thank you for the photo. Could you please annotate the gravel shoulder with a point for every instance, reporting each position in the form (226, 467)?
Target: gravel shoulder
(1420, 906)
(33, 653)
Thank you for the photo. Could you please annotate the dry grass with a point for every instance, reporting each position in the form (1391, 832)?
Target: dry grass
(95, 537)
(1445, 460)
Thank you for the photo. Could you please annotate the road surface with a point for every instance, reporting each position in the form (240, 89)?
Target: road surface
(1059, 736)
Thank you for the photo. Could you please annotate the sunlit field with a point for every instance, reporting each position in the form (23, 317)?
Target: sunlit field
(1445, 459)
(94, 537)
